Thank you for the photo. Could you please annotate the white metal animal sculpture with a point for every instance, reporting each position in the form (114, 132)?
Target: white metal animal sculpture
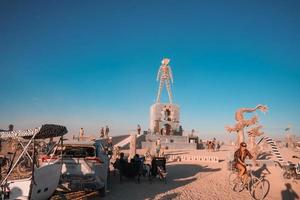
(241, 122)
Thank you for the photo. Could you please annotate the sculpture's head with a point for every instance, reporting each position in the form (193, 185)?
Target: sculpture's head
(263, 108)
(165, 61)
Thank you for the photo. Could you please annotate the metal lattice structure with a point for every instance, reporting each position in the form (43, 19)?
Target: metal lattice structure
(45, 131)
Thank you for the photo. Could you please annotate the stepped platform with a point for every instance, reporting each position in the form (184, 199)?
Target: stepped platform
(168, 141)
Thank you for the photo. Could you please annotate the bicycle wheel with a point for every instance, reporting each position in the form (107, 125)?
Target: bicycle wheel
(24, 167)
(231, 179)
(287, 175)
(258, 188)
(266, 187)
(234, 182)
(5, 167)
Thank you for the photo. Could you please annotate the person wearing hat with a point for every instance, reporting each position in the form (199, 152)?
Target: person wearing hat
(239, 159)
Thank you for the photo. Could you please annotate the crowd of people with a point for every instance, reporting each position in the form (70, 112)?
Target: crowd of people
(104, 133)
(213, 145)
(130, 169)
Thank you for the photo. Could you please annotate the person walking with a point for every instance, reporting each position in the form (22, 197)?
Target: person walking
(139, 129)
(106, 131)
(102, 132)
(81, 134)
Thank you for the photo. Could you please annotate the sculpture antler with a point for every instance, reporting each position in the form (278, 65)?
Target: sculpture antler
(262, 108)
(235, 128)
(254, 132)
(230, 129)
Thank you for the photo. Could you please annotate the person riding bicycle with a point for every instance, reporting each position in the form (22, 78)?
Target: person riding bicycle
(239, 161)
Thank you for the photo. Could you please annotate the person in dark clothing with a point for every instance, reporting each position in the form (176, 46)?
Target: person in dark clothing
(122, 159)
(102, 132)
(239, 161)
(139, 129)
(106, 131)
(120, 162)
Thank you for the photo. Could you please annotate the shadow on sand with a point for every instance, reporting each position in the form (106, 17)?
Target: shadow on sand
(264, 156)
(289, 193)
(178, 175)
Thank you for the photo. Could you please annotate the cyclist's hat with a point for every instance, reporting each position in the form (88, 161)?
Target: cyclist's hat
(243, 144)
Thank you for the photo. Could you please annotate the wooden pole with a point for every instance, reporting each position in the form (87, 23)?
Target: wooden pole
(132, 150)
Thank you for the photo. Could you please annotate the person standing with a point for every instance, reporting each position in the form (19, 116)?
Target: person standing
(193, 132)
(158, 146)
(214, 144)
(180, 130)
(109, 147)
(81, 134)
(106, 131)
(50, 144)
(102, 132)
(218, 146)
(139, 129)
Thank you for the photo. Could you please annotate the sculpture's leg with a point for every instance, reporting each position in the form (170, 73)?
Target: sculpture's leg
(169, 90)
(161, 82)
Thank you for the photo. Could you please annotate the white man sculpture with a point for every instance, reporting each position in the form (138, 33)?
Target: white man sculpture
(164, 75)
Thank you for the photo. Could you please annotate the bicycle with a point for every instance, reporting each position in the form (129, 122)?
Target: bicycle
(289, 171)
(258, 188)
(6, 162)
(24, 167)
(158, 169)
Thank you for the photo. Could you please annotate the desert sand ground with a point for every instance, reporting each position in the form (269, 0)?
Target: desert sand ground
(200, 180)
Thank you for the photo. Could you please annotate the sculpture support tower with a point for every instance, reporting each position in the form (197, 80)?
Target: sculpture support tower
(252, 134)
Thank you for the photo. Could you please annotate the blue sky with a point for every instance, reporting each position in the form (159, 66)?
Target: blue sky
(92, 63)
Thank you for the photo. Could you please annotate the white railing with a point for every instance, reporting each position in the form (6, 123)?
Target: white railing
(126, 141)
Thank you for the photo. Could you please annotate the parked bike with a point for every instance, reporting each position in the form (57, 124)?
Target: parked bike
(290, 171)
